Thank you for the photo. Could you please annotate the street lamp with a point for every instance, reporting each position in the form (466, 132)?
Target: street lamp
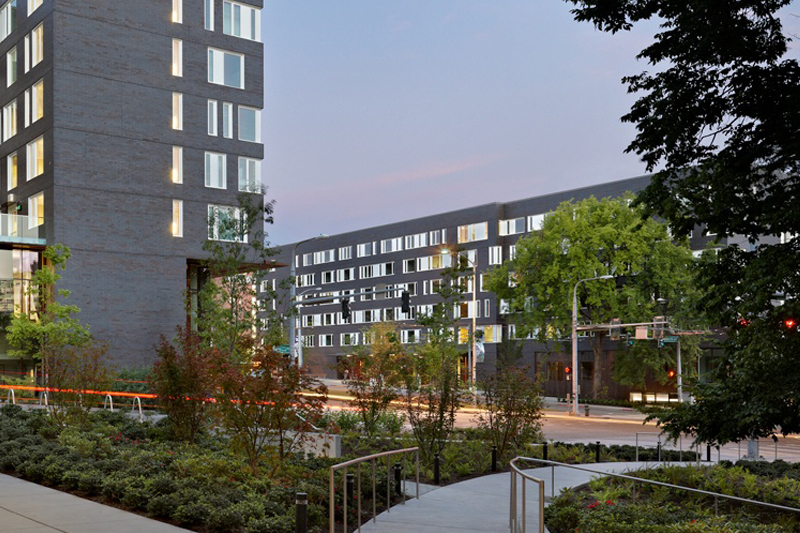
(471, 361)
(296, 352)
(575, 341)
(300, 327)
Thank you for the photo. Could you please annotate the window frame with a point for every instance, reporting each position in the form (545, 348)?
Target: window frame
(222, 164)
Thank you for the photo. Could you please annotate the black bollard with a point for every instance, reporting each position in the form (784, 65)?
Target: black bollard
(351, 483)
(435, 468)
(301, 513)
(544, 451)
(397, 470)
(494, 458)
(597, 453)
(708, 453)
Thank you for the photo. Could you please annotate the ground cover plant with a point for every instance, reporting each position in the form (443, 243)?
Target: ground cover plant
(613, 505)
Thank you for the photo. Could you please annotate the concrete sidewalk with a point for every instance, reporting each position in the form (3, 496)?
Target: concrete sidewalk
(482, 504)
(30, 508)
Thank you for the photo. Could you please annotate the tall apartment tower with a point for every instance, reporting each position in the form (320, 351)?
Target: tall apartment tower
(125, 124)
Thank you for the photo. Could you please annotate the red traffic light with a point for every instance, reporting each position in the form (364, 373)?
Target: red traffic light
(567, 370)
(790, 323)
(671, 373)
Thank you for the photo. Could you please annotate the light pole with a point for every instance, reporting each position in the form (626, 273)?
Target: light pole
(300, 327)
(295, 351)
(471, 360)
(575, 341)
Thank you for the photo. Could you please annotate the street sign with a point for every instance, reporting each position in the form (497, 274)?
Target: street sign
(282, 349)
(670, 338)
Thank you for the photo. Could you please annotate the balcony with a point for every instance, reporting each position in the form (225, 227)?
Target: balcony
(15, 229)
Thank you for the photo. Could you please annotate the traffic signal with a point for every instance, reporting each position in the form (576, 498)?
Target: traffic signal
(660, 343)
(568, 373)
(405, 299)
(345, 308)
(790, 323)
(670, 373)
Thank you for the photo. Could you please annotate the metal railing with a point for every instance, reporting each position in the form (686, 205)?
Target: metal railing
(518, 524)
(374, 460)
(513, 521)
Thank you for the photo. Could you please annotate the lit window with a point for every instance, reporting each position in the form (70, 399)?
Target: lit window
(33, 5)
(8, 18)
(9, 120)
(177, 164)
(35, 158)
(215, 170)
(177, 111)
(226, 68)
(249, 124)
(177, 11)
(227, 120)
(11, 67)
(473, 232)
(36, 210)
(209, 15)
(177, 57)
(241, 20)
(212, 118)
(11, 170)
(34, 103)
(34, 47)
(249, 174)
(225, 224)
(177, 218)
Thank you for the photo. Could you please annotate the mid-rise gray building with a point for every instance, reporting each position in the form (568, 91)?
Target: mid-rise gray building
(124, 126)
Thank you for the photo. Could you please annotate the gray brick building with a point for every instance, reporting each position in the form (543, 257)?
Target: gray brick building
(124, 124)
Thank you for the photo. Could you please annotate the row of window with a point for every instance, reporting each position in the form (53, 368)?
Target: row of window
(8, 16)
(34, 153)
(368, 249)
(491, 335)
(34, 110)
(225, 222)
(238, 20)
(249, 119)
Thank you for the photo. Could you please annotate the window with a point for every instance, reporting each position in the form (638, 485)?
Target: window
(410, 336)
(34, 47)
(535, 222)
(512, 252)
(433, 262)
(305, 280)
(349, 339)
(487, 304)
(391, 245)
(473, 232)
(35, 158)
(209, 15)
(328, 276)
(9, 120)
(346, 274)
(212, 118)
(34, 103)
(308, 341)
(215, 170)
(308, 259)
(12, 165)
(376, 271)
(11, 67)
(225, 224)
(364, 250)
(249, 174)
(437, 237)
(420, 240)
(241, 20)
(345, 253)
(409, 265)
(325, 256)
(495, 255)
(177, 218)
(177, 11)
(36, 210)
(226, 68)
(249, 124)
(326, 340)
(512, 226)
(8, 18)
(177, 111)
(177, 57)
(177, 164)
(33, 5)
(227, 120)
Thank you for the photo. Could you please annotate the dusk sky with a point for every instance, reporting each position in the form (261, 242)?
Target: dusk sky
(378, 111)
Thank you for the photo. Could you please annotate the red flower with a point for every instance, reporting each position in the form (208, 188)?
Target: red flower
(609, 502)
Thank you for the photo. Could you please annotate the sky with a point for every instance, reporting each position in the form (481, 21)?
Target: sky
(378, 111)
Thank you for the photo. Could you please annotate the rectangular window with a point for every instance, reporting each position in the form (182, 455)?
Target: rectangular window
(227, 120)
(177, 164)
(177, 11)
(35, 158)
(326, 340)
(495, 255)
(177, 218)
(473, 232)
(346, 274)
(325, 256)
(177, 57)
(512, 252)
(328, 276)
(226, 68)
(436, 238)
(33, 5)
(34, 103)
(225, 224)
(177, 111)
(212, 118)
(241, 20)
(512, 226)
(8, 18)
(308, 341)
(209, 14)
(364, 250)
(349, 339)
(305, 280)
(535, 222)
(249, 174)
(215, 170)
(35, 47)
(345, 253)
(11, 67)
(249, 124)
(391, 245)
(9, 120)
(11, 170)
(420, 240)
(36, 210)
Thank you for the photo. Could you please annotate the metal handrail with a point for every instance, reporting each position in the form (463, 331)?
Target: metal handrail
(110, 401)
(11, 397)
(373, 459)
(553, 464)
(137, 402)
(514, 523)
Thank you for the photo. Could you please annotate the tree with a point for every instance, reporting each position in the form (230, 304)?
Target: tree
(584, 240)
(721, 116)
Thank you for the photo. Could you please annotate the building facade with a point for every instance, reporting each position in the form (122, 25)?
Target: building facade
(125, 125)
(406, 256)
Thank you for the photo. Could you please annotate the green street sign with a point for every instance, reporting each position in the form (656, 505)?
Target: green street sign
(671, 338)
(282, 349)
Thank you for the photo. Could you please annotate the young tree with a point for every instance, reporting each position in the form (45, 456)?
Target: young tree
(721, 116)
(584, 240)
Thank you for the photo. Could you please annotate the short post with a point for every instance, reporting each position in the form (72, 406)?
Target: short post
(708, 453)
(397, 488)
(586, 408)
(544, 451)
(597, 453)
(301, 513)
(658, 448)
(435, 468)
(351, 482)
(494, 458)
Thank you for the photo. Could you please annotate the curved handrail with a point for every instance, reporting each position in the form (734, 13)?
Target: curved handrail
(11, 397)
(110, 401)
(137, 402)
(514, 523)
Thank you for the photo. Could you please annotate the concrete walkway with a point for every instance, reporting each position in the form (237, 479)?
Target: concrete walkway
(30, 508)
(482, 504)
